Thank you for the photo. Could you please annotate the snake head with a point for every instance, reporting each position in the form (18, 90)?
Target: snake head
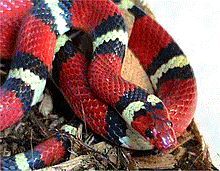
(152, 120)
(158, 131)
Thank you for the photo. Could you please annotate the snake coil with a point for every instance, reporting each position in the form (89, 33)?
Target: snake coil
(142, 121)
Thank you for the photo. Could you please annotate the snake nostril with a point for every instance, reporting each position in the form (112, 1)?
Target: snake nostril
(149, 133)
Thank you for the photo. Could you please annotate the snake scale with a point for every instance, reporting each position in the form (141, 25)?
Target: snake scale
(114, 108)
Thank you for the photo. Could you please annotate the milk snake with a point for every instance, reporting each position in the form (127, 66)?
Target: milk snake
(106, 99)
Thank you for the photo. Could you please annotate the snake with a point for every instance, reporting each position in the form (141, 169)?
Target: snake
(116, 109)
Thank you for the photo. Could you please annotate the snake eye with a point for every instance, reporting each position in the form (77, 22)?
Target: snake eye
(149, 133)
(171, 124)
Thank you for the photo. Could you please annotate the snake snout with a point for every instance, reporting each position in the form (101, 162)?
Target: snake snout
(165, 137)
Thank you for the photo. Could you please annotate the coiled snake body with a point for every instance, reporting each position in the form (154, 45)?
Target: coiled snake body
(145, 120)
